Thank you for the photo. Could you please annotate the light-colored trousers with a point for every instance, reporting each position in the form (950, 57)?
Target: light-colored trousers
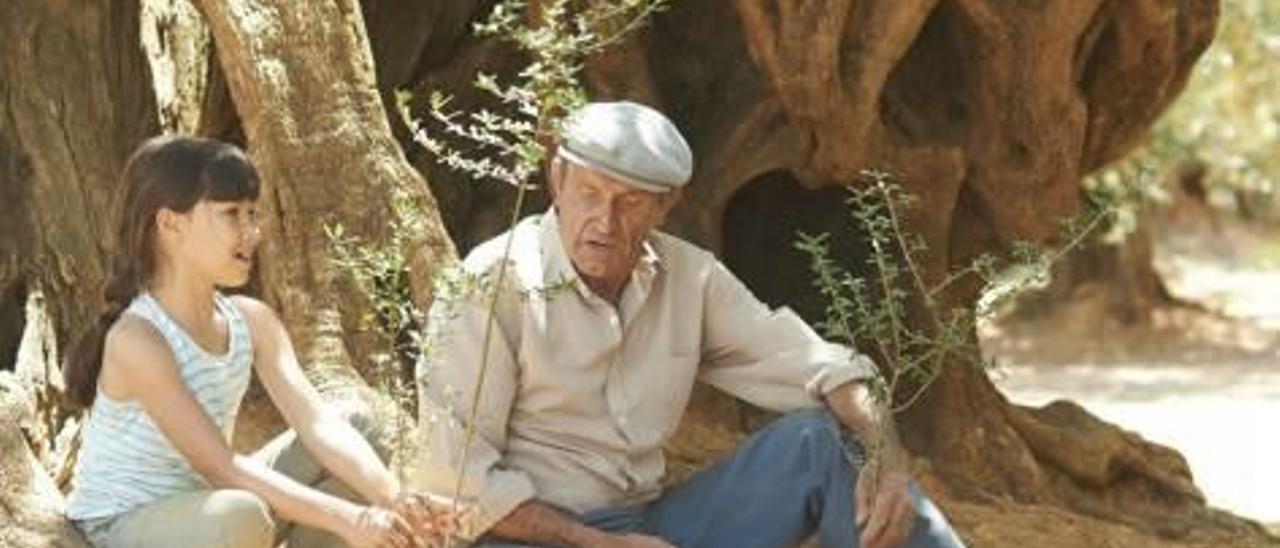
(231, 518)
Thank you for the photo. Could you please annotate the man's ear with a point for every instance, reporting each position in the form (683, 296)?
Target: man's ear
(672, 198)
(556, 171)
(668, 201)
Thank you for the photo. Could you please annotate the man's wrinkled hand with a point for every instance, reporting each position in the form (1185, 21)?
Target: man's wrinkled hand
(885, 512)
(435, 520)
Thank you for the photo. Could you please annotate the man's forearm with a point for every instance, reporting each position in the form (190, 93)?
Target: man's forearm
(539, 523)
(856, 408)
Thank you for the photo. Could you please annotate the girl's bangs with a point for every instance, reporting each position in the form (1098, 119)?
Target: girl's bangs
(230, 177)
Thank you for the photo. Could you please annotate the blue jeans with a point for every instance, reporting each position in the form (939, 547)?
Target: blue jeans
(793, 479)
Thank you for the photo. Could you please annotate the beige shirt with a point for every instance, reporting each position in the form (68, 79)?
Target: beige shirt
(579, 396)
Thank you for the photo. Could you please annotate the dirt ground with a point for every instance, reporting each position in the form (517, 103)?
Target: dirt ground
(1204, 379)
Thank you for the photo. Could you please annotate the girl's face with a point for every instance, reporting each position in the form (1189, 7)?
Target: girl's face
(215, 239)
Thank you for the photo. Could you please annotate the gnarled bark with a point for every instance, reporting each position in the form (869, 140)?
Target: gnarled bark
(76, 102)
(85, 84)
(318, 131)
(30, 504)
(990, 112)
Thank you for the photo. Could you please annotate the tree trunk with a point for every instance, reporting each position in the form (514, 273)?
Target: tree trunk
(1120, 278)
(77, 100)
(303, 84)
(991, 125)
(64, 141)
(989, 112)
(84, 85)
(30, 504)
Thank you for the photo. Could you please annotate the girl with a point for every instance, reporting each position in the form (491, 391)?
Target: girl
(164, 371)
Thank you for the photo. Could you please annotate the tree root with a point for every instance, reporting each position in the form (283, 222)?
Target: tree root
(1105, 472)
(1097, 454)
(31, 503)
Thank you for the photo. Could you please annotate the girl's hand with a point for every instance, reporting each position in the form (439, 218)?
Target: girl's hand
(374, 527)
(435, 520)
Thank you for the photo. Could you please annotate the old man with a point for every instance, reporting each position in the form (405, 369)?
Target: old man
(601, 326)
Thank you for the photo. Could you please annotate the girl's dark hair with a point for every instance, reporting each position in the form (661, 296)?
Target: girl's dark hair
(170, 172)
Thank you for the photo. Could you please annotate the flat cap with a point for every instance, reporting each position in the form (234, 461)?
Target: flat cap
(629, 142)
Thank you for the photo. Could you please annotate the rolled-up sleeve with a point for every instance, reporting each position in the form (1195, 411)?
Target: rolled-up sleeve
(770, 358)
(447, 378)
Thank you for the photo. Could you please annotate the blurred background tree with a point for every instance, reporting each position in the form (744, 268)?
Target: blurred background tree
(1228, 120)
(1214, 153)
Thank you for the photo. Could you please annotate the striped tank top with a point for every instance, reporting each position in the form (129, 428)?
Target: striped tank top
(125, 461)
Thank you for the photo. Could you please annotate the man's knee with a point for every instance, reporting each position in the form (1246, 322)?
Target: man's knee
(808, 425)
(243, 518)
(360, 415)
(371, 423)
(813, 432)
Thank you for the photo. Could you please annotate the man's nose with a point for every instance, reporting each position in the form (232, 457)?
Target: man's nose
(608, 219)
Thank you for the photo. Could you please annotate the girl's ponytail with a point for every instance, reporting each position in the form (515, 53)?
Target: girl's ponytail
(84, 363)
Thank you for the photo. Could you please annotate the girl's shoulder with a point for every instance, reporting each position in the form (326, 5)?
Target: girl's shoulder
(134, 352)
(131, 334)
(259, 316)
(253, 310)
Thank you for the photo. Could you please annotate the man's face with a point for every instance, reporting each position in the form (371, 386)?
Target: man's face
(603, 222)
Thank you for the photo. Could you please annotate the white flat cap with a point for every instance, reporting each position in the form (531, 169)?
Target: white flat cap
(629, 142)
